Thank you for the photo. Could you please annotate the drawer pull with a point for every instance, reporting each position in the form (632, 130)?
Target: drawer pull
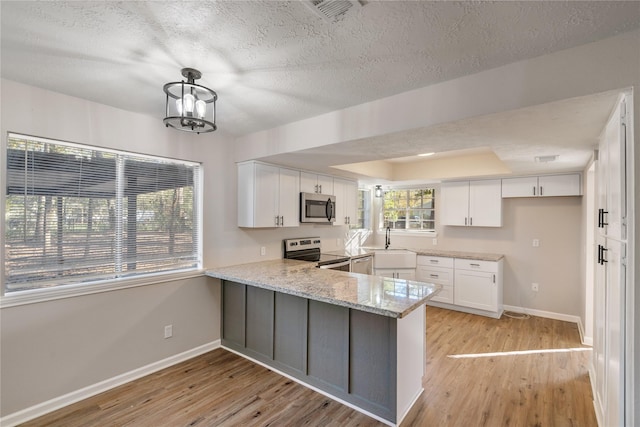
(434, 275)
(474, 265)
(434, 260)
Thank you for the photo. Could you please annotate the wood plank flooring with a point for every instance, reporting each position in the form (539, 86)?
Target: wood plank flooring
(480, 372)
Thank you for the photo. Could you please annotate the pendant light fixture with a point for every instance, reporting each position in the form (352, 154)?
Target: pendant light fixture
(190, 107)
(378, 191)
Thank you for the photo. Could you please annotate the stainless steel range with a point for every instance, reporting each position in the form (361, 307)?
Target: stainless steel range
(308, 249)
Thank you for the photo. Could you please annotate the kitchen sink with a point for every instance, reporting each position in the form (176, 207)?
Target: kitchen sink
(394, 258)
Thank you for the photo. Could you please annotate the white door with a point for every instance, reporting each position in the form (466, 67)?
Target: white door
(289, 198)
(308, 182)
(520, 187)
(485, 203)
(615, 317)
(616, 173)
(559, 185)
(267, 203)
(475, 289)
(599, 330)
(454, 203)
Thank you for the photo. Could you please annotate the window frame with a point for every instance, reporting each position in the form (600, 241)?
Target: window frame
(76, 287)
(364, 194)
(421, 232)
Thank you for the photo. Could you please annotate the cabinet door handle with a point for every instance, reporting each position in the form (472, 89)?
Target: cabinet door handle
(602, 260)
(534, 190)
(541, 192)
(603, 214)
(465, 220)
(470, 220)
(494, 278)
(320, 188)
(282, 220)
(599, 224)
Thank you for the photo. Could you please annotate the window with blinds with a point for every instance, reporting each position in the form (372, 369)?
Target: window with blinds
(78, 214)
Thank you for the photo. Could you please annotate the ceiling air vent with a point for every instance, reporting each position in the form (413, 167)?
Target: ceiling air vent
(332, 10)
(546, 159)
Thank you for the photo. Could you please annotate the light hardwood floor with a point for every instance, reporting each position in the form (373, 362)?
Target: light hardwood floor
(480, 372)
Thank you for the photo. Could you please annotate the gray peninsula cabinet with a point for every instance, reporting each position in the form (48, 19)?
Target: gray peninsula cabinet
(370, 359)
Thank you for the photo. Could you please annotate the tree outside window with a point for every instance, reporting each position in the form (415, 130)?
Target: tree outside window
(409, 209)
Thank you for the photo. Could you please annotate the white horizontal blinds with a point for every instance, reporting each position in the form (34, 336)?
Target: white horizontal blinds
(159, 218)
(79, 214)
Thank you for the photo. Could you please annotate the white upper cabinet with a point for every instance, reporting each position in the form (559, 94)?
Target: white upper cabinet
(315, 183)
(346, 193)
(542, 186)
(471, 203)
(268, 196)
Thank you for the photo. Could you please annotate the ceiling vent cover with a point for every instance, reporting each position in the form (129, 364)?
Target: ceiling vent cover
(332, 10)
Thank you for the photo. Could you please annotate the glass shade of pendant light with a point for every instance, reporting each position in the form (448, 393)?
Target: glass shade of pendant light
(190, 107)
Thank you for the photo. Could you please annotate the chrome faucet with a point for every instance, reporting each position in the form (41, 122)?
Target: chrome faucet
(387, 238)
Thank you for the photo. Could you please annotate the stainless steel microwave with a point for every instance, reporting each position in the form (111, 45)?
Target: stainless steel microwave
(316, 207)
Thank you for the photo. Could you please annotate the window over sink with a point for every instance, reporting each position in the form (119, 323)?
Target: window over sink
(410, 209)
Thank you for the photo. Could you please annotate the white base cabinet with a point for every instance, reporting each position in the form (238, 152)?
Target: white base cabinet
(438, 270)
(468, 285)
(476, 285)
(397, 273)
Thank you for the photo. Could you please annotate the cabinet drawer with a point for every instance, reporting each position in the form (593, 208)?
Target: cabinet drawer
(435, 261)
(445, 295)
(475, 265)
(441, 276)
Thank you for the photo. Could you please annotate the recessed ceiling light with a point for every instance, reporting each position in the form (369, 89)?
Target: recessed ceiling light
(426, 154)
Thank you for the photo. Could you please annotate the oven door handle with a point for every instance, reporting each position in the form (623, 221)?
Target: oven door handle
(334, 265)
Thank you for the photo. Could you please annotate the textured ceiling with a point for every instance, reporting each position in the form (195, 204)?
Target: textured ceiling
(275, 62)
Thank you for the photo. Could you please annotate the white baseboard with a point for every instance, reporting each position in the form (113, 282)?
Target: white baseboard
(542, 313)
(83, 393)
(584, 339)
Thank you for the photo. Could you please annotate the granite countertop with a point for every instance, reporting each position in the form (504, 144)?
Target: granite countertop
(351, 253)
(374, 294)
(478, 256)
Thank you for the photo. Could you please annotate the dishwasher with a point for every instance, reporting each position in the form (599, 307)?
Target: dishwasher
(362, 265)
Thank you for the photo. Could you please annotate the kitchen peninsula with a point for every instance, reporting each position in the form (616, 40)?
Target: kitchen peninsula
(357, 338)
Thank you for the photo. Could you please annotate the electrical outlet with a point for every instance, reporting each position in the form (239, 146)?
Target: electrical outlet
(434, 241)
(263, 251)
(534, 287)
(536, 243)
(168, 331)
